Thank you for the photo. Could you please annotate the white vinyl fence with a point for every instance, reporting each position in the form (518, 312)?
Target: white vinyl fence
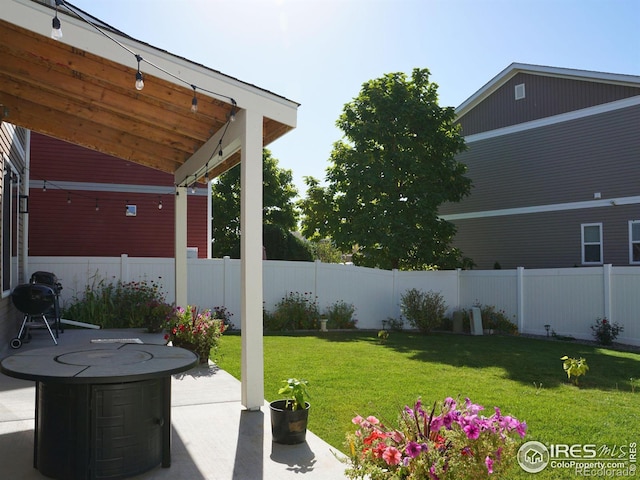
(568, 299)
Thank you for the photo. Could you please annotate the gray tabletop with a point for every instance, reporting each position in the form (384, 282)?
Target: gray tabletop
(98, 363)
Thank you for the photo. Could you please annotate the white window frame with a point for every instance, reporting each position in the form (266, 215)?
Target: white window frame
(584, 243)
(12, 204)
(632, 242)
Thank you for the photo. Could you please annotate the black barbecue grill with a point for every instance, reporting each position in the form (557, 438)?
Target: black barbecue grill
(38, 301)
(50, 279)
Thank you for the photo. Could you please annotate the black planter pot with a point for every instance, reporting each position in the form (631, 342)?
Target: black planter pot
(288, 426)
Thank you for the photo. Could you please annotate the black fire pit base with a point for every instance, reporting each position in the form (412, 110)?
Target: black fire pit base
(99, 431)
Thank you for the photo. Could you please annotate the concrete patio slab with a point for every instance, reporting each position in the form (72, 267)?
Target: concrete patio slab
(214, 437)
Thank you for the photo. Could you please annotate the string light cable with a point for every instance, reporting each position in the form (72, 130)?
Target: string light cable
(84, 16)
(139, 83)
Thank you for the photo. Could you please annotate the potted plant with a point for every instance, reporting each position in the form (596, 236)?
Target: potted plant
(289, 416)
(196, 331)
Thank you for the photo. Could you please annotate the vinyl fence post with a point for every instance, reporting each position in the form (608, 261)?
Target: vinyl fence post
(606, 273)
(124, 268)
(521, 299)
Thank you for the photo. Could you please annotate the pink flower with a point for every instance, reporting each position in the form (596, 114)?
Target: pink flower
(373, 420)
(489, 463)
(392, 456)
(357, 420)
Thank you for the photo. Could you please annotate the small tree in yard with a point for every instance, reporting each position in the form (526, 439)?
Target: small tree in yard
(423, 310)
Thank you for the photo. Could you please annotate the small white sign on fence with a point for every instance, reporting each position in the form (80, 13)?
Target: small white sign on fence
(476, 321)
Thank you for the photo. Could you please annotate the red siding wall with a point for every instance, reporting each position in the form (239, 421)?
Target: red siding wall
(65, 222)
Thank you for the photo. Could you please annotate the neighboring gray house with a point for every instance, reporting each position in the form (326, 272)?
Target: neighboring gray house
(554, 155)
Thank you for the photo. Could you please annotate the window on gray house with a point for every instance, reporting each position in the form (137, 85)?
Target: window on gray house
(592, 243)
(634, 241)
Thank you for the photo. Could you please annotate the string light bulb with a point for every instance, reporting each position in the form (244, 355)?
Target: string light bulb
(97, 206)
(159, 203)
(139, 79)
(193, 187)
(56, 27)
(194, 100)
(68, 198)
(44, 185)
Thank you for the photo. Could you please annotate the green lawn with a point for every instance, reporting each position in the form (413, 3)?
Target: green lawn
(351, 373)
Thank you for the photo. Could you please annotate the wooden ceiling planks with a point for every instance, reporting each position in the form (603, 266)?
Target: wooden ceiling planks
(65, 92)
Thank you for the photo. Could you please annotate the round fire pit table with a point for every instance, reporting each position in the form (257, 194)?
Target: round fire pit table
(103, 410)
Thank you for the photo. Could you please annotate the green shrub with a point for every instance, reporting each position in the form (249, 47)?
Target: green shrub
(605, 332)
(340, 315)
(117, 305)
(295, 311)
(423, 310)
(393, 324)
(221, 313)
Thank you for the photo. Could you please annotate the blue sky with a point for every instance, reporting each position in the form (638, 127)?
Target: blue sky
(319, 52)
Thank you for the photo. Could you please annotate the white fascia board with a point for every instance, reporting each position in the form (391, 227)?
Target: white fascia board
(37, 18)
(558, 207)
(563, 117)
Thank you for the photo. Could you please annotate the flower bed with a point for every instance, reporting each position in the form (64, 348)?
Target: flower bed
(454, 443)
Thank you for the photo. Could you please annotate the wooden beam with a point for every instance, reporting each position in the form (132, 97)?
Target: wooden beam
(90, 135)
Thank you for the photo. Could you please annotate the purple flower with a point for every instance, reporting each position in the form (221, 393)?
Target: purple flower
(521, 428)
(489, 463)
(471, 430)
(413, 449)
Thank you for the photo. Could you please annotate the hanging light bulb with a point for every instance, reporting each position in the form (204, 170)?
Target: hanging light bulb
(56, 27)
(97, 206)
(232, 115)
(68, 198)
(139, 79)
(44, 185)
(159, 203)
(194, 188)
(194, 100)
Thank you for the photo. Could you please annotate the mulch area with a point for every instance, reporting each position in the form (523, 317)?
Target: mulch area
(621, 347)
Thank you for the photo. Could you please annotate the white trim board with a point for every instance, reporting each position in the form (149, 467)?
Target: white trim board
(563, 117)
(558, 207)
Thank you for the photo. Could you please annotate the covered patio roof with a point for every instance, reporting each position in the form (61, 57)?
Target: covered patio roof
(81, 89)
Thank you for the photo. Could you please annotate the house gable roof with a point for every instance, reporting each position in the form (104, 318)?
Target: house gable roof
(566, 73)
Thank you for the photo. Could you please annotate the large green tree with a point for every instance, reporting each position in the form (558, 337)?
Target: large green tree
(280, 213)
(388, 175)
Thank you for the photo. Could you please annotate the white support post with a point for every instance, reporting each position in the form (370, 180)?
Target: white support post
(181, 246)
(252, 359)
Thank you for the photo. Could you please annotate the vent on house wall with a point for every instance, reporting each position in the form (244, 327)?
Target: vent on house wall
(520, 91)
